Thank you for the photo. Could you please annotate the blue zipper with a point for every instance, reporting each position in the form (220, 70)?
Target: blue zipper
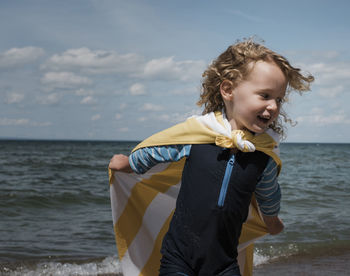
(226, 180)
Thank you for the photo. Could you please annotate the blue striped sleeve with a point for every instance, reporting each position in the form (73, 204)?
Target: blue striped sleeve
(268, 192)
(145, 158)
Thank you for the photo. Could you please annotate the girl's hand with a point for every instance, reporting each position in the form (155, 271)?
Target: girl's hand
(120, 162)
(274, 224)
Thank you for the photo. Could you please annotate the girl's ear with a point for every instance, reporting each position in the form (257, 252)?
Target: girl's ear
(226, 90)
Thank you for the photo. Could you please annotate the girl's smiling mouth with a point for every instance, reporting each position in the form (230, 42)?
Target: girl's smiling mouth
(264, 119)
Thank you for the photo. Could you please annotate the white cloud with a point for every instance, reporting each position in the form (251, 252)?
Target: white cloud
(49, 99)
(137, 89)
(185, 91)
(329, 73)
(88, 100)
(13, 122)
(40, 124)
(123, 106)
(317, 117)
(245, 15)
(20, 56)
(331, 92)
(169, 69)
(313, 55)
(94, 62)
(142, 119)
(119, 92)
(12, 98)
(151, 107)
(326, 54)
(22, 122)
(170, 118)
(64, 80)
(87, 61)
(164, 117)
(123, 129)
(84, 92)
(175, 118)
(332, 79)
(96, 117)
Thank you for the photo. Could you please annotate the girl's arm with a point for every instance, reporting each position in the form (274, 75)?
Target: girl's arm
(143, 159)
(268, 196)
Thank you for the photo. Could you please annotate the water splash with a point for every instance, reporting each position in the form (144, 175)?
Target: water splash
(108, 266)
(263, 255)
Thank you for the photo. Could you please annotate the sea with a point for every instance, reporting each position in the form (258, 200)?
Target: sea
(55, 215)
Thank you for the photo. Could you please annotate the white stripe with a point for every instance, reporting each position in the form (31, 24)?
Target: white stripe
(170, 156)
(128, 267)
(120, 191)
(158, 155)
(210, 121)
(154, 218)
(152, 153)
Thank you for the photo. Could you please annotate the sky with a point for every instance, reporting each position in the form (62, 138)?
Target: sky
(123, 70)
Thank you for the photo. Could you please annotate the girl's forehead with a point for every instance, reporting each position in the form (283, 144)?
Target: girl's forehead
(265, 71)
(265, 76)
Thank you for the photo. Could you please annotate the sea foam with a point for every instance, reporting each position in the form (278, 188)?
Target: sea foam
(108, 266)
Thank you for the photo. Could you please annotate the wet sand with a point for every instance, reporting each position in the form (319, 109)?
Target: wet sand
(306, 266)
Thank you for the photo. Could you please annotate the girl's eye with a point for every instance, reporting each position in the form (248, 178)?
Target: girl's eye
(264, 96)
(280, 101)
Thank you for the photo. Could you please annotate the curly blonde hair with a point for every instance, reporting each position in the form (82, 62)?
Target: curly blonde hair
(233, 65)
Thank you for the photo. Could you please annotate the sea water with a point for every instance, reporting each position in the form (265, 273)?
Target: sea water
(55, 216)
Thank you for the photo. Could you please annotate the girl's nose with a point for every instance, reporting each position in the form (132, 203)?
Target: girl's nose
(272, 105)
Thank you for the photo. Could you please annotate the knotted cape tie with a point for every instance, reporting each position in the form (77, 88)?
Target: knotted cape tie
(245, 141)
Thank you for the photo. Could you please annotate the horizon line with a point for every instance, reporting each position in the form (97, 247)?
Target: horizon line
(124, 140)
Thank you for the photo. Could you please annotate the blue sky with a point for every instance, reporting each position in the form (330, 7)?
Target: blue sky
(122, 70)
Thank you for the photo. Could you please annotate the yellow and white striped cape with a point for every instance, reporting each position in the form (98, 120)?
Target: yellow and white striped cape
(143, 205)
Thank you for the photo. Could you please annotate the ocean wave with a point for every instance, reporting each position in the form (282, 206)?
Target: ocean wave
(33, 199)
(108, 266)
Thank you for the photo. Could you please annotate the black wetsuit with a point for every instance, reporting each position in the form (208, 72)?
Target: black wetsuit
(211, 207)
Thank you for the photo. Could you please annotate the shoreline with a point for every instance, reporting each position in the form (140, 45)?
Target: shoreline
(303, 265)
(306, 266)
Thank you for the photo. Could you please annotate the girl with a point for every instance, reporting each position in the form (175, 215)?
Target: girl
(228, 155)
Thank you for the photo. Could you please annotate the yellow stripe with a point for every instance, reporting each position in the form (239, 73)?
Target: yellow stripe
(110, 176)
(188, 132)
(141, 197)
(252, 229)
(255, 227)
(121, 242)
(248, 265)
(153, 263)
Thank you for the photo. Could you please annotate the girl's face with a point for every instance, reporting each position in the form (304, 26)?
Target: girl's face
(255, 102)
